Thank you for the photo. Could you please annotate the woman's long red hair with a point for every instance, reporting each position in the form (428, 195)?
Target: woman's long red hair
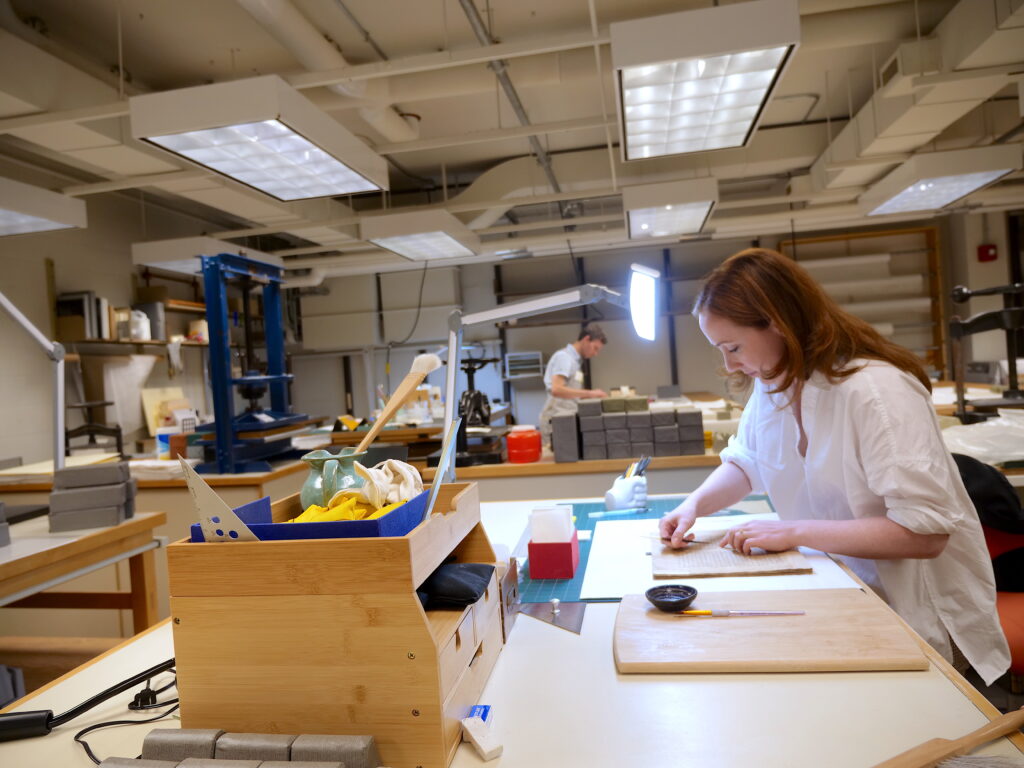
(759, 288)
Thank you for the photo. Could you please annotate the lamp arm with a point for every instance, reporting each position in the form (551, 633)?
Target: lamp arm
(455, 323)
(55, 351)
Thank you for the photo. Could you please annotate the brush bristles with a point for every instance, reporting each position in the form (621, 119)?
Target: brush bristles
(425, 364)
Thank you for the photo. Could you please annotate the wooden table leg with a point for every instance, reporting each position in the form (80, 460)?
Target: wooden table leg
(142, 570)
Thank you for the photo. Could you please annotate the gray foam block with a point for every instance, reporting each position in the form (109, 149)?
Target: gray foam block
(254, 746)
(593, 452)
(5, 534)
(89, 497)
(641, 434)
(616, 436)
(3, 511)
(688, 416)
(691, 448)
(589, 406)
(592, 438)
(613, 405)
(78, 519)
(565, 422)
(300, 764)
(620, 450)
(565, 441)
(209, 762)
(636, 419)
(94, 474)
(669, 434)
(131, 762)
(663, 418)
(643, 449)
(636, 404)
(180, 743)
(591, 423)
(690, 433)
(614, 420)
(353, 751)
(129, 508)
(666, 449)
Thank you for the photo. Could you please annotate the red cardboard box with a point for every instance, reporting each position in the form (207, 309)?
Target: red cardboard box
(557, 560)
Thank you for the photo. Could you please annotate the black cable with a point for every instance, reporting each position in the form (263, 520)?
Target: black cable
(419, 306)
(121, 687)
(111, 723)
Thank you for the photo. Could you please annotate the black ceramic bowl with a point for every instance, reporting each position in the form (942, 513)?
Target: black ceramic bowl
(671, 598)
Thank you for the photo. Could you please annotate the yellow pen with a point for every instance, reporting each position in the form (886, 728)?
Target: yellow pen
(724, 612)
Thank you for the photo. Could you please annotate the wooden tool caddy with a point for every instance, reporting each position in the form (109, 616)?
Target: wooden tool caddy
(328, 635)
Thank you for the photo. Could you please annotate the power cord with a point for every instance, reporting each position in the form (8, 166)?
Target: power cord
(111, 723)
(146, 698)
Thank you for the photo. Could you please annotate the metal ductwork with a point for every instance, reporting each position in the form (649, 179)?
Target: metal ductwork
(294, 31)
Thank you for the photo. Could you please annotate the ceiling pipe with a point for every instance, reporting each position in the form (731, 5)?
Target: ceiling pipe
(305, 42)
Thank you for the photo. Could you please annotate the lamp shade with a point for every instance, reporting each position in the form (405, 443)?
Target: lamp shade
(699, 80)
(421, 235)
(933, 180)
(262, 133)
(25, 208)
(669, 208)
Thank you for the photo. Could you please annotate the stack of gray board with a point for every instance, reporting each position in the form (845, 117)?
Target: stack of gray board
(565, 438)
(5, 528)
(92, 496)
(626, 429)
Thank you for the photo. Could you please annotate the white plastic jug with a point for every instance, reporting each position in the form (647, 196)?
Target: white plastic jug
(550, 524)
(140, 326)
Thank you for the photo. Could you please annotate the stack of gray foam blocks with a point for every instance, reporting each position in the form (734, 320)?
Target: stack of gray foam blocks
(91, 496)
(210, 748)
(623, 428)
(5, 527)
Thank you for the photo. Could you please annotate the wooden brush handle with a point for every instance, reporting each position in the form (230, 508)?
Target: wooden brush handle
(933, 751)
(397, 400)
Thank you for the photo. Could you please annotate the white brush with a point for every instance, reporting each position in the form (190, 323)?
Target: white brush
(421, 366)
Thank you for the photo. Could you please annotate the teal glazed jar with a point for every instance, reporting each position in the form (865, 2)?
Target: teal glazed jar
(328, 474)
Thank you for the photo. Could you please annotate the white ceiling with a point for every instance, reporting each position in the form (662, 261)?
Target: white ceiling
(62, 102)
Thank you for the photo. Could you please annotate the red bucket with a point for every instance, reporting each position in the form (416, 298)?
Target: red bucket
(523, 446)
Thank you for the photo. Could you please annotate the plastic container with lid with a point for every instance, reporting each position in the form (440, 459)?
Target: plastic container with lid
(524, 444)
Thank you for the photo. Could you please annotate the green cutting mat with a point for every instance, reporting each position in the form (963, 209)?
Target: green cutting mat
(568, 590)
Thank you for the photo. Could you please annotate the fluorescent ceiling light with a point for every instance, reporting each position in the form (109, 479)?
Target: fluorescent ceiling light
(25, 208)
(181, 254)
(643, 300)
(933, 180)
(714, 96)
(262, 133)
(669, 208)
(421, 235)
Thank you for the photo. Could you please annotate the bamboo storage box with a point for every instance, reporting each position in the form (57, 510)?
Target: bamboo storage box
(328, 635)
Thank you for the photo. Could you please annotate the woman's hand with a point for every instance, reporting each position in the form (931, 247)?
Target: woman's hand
(769, 535)
(673, 527)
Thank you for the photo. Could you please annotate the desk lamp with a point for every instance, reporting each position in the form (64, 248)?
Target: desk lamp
(641, 303)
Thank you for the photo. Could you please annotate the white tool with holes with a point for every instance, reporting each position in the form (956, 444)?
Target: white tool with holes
(217, 520)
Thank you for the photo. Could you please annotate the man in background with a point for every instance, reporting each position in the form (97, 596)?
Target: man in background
(563, 378)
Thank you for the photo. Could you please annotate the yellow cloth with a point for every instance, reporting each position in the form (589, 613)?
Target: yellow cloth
(343, 508)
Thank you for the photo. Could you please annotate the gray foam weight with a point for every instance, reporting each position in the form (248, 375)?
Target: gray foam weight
(90, 497)
(353, 751)
(636, 419)
(131, 762)
(688, 416)
(589, 406)
(620, 450)
(129, 508)
(643, 449)
(663, 418)
(85, 518)
(669, 434)
(300, 764)
(613, 405)
(614, 420)
(254, 746)
(617, 436)
(5, 534)
(636, 404)
(94, 474)
(690, 433)
(592, 438)
(566, 422)
(3, 511)
(691, 448)
(565, 441)
(641, 435)
(591, 423)
(666, 449)
(180, 743)
(594, 452)
(209, 762)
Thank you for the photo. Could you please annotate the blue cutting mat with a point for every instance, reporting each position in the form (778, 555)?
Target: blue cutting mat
(568, 590)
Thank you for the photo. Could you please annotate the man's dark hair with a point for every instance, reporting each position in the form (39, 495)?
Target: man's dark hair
(594, 332)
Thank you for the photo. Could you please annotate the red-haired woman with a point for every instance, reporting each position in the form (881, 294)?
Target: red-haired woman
(841, 433)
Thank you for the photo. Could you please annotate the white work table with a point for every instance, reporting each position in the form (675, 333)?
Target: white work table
(558, 701)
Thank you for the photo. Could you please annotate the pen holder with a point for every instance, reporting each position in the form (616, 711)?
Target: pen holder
(554, 560)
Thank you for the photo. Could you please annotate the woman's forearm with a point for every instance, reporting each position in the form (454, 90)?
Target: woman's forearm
(875, 538)
(725, 486)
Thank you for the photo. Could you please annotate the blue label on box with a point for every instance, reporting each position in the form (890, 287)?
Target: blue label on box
(483, 711)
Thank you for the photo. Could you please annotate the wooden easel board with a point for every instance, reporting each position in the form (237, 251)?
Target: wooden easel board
(152, 398)
(842, 630)
(709, 559)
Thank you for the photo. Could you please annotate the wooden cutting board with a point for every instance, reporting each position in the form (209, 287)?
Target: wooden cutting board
(842, 630)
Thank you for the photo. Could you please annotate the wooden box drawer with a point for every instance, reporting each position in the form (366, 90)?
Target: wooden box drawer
(456, 654)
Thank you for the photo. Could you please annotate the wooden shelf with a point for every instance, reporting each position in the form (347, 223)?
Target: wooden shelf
(180, 305)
